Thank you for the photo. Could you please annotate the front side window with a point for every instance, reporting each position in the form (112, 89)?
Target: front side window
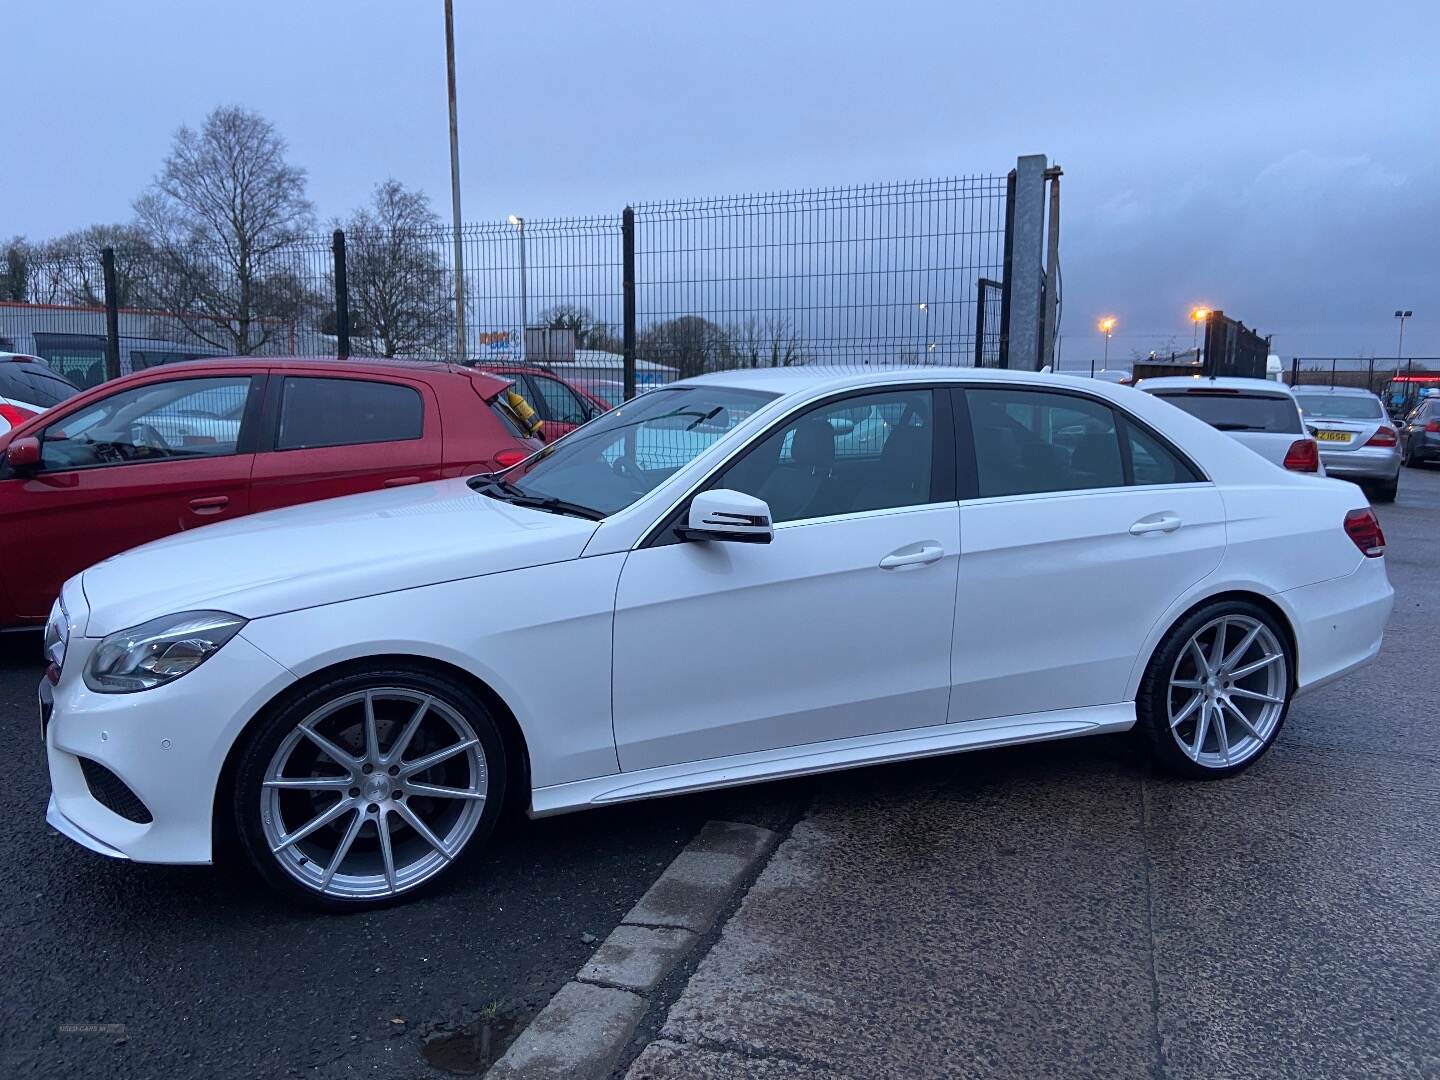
(184, 418)
(316, 412)
(629, 451)
(867, 452)
(1028, 442)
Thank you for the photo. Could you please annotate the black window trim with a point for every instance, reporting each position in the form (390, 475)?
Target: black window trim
(968, 469)
(942, 458)
(275, 398)
(245, 443)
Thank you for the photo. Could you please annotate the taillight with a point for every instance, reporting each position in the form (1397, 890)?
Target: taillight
(1303, 456)
(1384, 437)
(1363, 527)
(1433, 425)
(506, 458)
(14, 415)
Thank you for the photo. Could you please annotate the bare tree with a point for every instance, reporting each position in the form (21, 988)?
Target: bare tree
(66, 270)
(590, 333)
(16, 259)
(692, 344)
(220, 214)
(399, 284)
(767, 342)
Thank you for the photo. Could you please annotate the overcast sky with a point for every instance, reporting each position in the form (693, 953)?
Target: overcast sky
(1276, 159)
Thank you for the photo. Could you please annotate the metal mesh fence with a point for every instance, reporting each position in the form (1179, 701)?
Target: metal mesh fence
(1399, 383)
(900, 273)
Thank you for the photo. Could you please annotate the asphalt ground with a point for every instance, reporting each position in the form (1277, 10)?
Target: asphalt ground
(1289, 920)
(1065, 911)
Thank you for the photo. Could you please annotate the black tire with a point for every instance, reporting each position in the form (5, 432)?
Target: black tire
(1385, 492)
(1152, 701)
(270, 731)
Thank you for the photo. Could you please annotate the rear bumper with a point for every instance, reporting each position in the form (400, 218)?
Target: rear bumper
(1339, 624)
(1375, 463)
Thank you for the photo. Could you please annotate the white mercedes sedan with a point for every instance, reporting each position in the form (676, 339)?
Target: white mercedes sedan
(710, 585)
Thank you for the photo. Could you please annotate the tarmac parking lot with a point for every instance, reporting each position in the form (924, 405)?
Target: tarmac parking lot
(1069, 913)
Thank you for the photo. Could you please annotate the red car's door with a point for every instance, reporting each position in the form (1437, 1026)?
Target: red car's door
(133, 466)
(336, 435)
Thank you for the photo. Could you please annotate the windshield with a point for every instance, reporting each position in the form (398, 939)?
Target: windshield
(1339, 406)
(629, 451)
(1238, 411)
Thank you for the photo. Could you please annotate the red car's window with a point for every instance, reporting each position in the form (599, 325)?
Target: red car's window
(318, 412)
(180, 418)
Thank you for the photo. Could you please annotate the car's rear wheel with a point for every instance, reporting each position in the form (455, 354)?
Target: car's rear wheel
(369, 787)
(1386, 490)
(1216, 691)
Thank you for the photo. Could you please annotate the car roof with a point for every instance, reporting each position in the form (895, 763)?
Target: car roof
(818, 378)
(1344, 391)
(1199, 382)
(490, 382)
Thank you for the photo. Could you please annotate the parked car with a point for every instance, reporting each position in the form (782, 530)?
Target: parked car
(354, 687)
(1257, 413)
(28, 387)
(1356, 438)
(1421, 432)
(172, 448)
(563, 405)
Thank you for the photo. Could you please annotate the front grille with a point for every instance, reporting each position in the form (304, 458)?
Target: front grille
(111, 792)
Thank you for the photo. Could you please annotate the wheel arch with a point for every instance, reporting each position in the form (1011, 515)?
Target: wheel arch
(1261, 600)
(517, 749)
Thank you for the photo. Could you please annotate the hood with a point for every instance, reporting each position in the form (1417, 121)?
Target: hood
(325, 552)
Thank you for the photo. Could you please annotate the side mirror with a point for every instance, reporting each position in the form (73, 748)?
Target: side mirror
(23, 455)
(728, 515)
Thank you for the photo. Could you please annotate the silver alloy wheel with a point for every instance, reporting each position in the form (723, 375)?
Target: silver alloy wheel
(1227, 691)
(373, 793)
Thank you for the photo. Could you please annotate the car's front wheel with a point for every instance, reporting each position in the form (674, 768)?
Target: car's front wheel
(369, 786)
(1217, 690)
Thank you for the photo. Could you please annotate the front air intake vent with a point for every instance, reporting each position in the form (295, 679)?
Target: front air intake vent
(112, 793)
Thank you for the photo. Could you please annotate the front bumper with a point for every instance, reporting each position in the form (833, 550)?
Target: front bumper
(1363, 463)
(168, 745)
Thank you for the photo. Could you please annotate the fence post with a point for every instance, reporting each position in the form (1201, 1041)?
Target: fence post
(1025, 275)
(980, 321)
(1006, 277)
(1052, 274)
(112, 313)
(342, 296)
(1333, 362)
(1295, 371)
(627, 243)
(1370, 376)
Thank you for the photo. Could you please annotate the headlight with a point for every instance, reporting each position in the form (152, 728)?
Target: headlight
(57, 635)
(159, 651)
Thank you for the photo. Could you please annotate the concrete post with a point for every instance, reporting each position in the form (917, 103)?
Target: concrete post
(1027, 267)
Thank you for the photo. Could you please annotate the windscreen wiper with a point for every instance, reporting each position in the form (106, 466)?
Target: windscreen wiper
(496, 488)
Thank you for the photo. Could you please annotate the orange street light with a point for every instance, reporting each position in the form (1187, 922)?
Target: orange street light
(1197, 316)
(1106, 327)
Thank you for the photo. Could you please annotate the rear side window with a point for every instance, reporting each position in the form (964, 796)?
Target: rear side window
(1239, 411)
(1152, 462)
(318, 412)
(1028, 442)
(13, 383)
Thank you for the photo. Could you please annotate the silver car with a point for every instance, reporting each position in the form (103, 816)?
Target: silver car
(1357, 440)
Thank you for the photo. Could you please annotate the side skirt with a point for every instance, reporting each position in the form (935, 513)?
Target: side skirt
(830, 756)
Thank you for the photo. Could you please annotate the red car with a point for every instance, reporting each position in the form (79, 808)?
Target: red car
(563, 405)
(183, 445)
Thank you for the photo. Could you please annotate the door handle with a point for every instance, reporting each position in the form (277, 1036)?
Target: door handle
(210, 504)
(401, 481)
(1156, 523)
(913, 555)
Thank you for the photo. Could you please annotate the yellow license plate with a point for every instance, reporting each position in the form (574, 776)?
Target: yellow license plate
(1333, 436)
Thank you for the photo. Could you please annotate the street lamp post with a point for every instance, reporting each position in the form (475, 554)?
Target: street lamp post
(460, 349)
(1107, 327)
(519, 223)
(1197, 316)
(1400, 349)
